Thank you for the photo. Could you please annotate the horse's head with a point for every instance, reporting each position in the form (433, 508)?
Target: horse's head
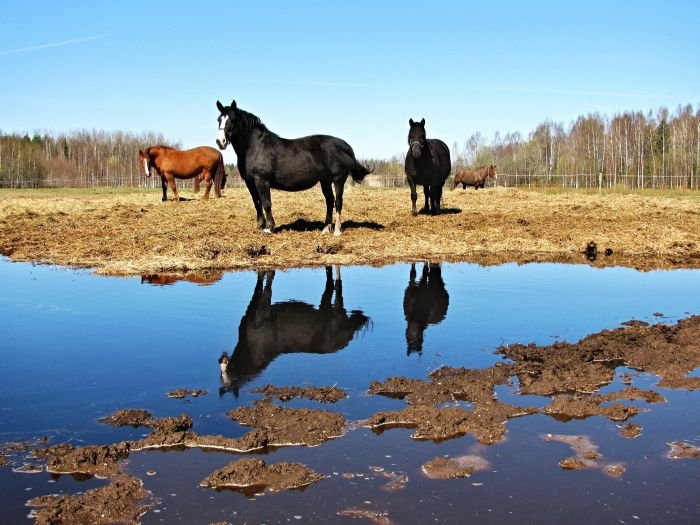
(416, 137)
(226, 119)
(492, 171)
(145, 162)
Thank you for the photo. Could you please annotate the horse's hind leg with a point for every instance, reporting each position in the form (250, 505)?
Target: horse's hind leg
(208, 181)
(339, 187)
(327, 190)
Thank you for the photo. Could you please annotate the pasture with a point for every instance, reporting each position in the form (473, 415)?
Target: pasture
(132, 232)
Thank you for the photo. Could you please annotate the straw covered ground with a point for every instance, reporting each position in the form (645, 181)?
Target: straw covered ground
(135, 233)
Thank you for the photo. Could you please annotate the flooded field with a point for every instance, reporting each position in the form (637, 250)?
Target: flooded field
(415, 397)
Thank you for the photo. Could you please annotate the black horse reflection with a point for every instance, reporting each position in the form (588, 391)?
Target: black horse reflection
(424, 303)
(268, 330)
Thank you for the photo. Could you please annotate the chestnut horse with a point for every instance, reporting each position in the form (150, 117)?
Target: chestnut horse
(202, 163)
(475, 177)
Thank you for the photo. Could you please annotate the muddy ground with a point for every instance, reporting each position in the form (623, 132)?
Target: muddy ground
(448, 403)
(136, 234)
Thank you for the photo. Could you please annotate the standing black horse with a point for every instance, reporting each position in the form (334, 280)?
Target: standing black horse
(424, 303)
(266, 160)
(428, 164)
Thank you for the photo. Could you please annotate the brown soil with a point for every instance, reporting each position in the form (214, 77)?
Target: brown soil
(379, 518)
(184, 392)
(669, 351)
(681, 450)
(122, 501)
(322, 394)
(450, 468)
(136, 234)
(250, 473)
(279, 426)
(587, 455)
(631, 431)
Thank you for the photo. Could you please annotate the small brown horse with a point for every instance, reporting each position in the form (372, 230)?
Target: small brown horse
(202, 163)
(475, 177)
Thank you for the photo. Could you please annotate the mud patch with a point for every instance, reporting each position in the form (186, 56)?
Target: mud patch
(322, 394)
(451, 468)
(669, 351)
(122, 501)
(278, 426)
(253, 475)
(486, 422)
(586, 455)
(180, 393)
(380, 518)
(94, 460)
(631, 431)
(682, 450)
(129, 417)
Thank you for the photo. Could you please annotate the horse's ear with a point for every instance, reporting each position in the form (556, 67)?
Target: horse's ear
(219, 106)
(422, 122)
(233, 104)
(410, 122)
(142, 153)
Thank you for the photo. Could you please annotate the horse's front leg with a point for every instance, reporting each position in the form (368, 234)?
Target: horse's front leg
(414, 194)
(164, 185)
(327, 190)
(253, 190)
(263, 188)
(426, 194)
(173, 186)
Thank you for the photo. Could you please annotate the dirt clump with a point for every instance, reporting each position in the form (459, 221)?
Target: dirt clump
(669, 351)
(123, 500)
(586, 455)
(94, 460)
(278, 426)
(630, 431)
(457, 467)
(322, 394)
(566, 407)
(486, 421)
(682, 450)
(129, 417)
(377, 517)
(251, 473)
(180, 393)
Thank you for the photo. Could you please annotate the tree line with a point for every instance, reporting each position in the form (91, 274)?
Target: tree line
(654, 150)
(658, 149)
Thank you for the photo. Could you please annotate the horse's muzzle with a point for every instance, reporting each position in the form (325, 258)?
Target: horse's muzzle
(416, 150)
(222, 143)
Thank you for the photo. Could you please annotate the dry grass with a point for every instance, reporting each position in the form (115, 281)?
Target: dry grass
(134, 233)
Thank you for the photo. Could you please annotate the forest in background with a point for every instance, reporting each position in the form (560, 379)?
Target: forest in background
(631, 149)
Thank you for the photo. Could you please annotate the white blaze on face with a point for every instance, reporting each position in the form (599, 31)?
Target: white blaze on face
(145, 168)
(222, 126)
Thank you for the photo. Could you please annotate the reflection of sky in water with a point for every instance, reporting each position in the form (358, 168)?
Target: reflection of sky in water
(76, 347)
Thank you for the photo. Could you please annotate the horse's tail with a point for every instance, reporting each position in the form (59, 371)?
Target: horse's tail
(220, 176)
(359, 172)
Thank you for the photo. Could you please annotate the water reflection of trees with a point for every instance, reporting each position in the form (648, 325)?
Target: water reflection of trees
(268, 329)
(425, 302)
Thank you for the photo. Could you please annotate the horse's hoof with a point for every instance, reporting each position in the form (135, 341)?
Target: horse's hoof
(326, 229)
(336, 233)
(267, 230)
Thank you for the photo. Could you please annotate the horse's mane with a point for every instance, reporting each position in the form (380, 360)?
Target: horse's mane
(249, 122)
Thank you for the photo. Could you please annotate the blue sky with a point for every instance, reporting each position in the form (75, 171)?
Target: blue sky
(355, 69)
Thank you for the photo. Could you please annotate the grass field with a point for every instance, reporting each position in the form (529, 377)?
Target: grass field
(130, 232)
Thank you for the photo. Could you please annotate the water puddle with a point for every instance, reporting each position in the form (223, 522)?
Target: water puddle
(404, 394)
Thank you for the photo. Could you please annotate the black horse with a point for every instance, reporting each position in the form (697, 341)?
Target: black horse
(428, 164)
(266, 160)
(424, 303)
(268, 330)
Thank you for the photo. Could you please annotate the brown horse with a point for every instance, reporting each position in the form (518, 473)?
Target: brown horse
(203, 164)
(475, 177)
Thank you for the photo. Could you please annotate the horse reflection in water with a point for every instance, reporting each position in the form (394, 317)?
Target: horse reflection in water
(424, 303)
(268, 330)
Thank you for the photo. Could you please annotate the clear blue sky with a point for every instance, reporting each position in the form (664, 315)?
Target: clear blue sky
(355, 69)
